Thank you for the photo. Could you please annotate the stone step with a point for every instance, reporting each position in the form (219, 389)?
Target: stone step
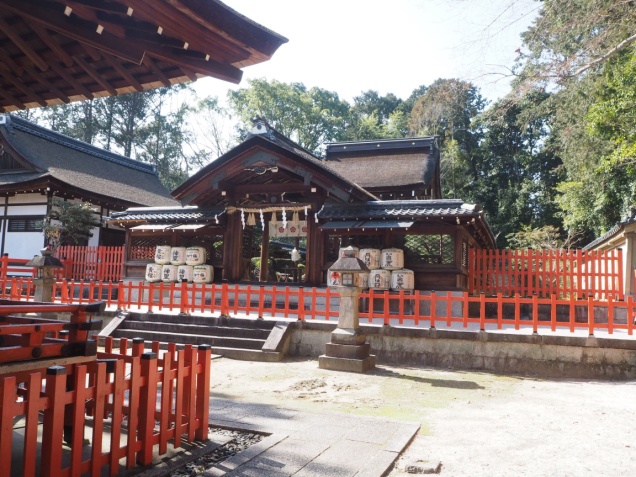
(194, 339)
(196, 329)
(201, 320)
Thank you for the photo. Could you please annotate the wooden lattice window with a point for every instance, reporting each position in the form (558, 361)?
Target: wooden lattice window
(26, 224)
(429, 249)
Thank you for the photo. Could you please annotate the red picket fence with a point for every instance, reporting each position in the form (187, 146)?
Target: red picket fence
(403, 308)
(546, 272)
(15, 267)
(160, 399)
(92, 263)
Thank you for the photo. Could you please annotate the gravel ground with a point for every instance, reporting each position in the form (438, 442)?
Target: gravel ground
(475, 424)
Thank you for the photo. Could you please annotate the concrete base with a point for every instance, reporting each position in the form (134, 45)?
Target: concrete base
(344, 364)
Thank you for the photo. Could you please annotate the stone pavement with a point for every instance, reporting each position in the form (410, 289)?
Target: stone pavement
(307, 444)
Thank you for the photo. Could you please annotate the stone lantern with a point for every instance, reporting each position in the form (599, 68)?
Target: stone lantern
(45, 279)
(348, 349)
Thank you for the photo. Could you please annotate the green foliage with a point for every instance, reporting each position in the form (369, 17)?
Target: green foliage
(310, 117)
(546, 237)
(69, 223)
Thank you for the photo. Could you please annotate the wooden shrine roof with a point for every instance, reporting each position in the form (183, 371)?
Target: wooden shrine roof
(388, 164)
(58, 51)
(47, 159)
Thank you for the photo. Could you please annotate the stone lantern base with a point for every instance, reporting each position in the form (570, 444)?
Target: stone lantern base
(347, 351)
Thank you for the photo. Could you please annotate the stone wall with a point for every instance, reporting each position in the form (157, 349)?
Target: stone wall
(547, 356)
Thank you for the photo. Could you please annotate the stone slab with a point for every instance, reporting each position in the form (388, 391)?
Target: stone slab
(349, 365)
(335, 350)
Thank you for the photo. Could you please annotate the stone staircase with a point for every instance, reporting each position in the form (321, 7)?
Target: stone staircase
(237, 338)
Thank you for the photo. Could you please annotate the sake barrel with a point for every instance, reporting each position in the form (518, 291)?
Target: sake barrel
(169, 273)
(185, 272)
(153, 272)
(362, 280)
(402, 279)
(380, 279)
(392, 259)
(371, 257)
(356, 251)
(177, 255)
(195, 256)
(202, 273)
(162, 254)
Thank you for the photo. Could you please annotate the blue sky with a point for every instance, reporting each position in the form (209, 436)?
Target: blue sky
(350, 46)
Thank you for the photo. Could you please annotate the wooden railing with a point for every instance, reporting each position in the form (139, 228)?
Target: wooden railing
(546, 272)
(415, 308)
(160, 399)
(92, 263)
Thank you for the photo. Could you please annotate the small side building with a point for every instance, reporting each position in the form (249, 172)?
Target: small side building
(621, 236)
(37, 164)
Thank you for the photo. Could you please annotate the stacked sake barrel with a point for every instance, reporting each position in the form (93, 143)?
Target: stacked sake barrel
(387, 269)
(179, 264)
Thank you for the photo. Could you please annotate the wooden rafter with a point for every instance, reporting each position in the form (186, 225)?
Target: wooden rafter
(23, 45)
(52, 20)
(122, 45)
(96, 76)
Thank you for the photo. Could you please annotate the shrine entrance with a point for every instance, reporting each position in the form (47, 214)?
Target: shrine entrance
(274, 246)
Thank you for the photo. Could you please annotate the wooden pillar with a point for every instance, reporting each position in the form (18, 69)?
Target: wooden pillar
(232, 248)
(315, 253)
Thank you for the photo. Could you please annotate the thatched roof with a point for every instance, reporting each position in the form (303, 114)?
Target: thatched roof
(410, 164)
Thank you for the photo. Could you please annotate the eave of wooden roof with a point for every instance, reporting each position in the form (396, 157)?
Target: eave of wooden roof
(58, 51)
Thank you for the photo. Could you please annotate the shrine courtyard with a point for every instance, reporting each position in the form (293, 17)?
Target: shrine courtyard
(475, 424)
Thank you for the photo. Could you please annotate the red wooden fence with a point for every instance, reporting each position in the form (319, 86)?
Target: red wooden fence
(546, 272)
(92, 263)
(160, 399)
(415, 308)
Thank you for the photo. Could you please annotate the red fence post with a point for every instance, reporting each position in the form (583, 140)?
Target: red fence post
(204, 357)
(53, 426)
(147, 406)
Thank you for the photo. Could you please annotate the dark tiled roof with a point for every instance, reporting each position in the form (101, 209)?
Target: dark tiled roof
(168, 214)
(399, 208)
(611, 232)
(388, 163)
(80, 165)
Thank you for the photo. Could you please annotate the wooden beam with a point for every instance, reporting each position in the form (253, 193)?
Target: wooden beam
(96, 76)
(12, 100)
(149, 62)
(70, 79)
(207, 68)
(23, 45)
(102, 6)
(278, 187)
(10, 64)
(31, 95)
(177, 25)
(52, 43)
(121, 69)
(47, 85)
(55, 20)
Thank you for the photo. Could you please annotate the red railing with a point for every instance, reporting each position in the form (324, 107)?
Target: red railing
(160, 399)
(92, 263)
(415, 308)
(546, 272)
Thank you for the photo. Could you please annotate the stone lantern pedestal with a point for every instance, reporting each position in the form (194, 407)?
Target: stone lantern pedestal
(348, 349)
